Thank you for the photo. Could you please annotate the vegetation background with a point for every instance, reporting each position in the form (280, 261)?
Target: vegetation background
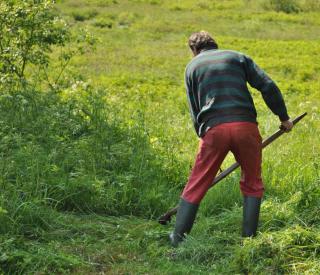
(96, 138)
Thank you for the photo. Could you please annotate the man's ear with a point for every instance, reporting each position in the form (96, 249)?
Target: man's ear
(194, 51)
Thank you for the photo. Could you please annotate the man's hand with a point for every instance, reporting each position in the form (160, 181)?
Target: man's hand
(286, 125)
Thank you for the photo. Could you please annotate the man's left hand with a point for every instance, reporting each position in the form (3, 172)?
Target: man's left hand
(286, 125)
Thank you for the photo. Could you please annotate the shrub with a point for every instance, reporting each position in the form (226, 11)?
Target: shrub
(125, 19)
(286, 6)
(30, 30)
(103, 23)
(84, 15)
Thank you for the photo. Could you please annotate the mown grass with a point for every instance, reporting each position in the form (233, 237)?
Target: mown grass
(85, 172)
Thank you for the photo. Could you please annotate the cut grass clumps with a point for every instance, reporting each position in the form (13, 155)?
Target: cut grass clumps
(284, 251)
(285, 242)
(206, 250)
(309, 202)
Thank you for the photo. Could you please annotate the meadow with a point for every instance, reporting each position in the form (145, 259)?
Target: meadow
(97, 140)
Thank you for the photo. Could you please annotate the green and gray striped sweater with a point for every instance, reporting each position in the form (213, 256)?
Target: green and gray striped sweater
(216, 84)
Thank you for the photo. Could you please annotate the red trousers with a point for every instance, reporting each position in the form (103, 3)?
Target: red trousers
(244, 141)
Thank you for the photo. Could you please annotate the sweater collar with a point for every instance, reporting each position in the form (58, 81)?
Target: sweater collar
(207, 49)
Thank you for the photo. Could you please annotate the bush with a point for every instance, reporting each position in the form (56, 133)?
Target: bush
(30, 30)
(286, 6)
(126, 19)
(84, 15)
(103, 23)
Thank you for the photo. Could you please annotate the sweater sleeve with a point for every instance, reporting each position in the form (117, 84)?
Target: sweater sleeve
(193, 106)
(271, 94)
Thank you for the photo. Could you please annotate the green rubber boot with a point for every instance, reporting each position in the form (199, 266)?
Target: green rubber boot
(185, 218)
(251, 210)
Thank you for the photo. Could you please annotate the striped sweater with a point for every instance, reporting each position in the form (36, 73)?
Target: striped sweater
(216, 85)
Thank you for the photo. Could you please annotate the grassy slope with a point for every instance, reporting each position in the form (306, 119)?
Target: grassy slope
(140, 61)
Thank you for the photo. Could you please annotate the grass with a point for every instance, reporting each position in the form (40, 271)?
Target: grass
(86, 172)
(92, 243)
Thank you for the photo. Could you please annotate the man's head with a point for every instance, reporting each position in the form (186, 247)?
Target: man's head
(200, 41)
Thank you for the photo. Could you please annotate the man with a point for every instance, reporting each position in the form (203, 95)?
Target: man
(224, 117)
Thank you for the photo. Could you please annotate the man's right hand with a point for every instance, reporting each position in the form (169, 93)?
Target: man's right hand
(286, 125)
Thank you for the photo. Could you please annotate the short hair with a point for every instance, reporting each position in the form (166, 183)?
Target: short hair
(201, 40)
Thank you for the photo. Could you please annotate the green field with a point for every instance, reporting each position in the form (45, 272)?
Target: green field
(92, 154)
